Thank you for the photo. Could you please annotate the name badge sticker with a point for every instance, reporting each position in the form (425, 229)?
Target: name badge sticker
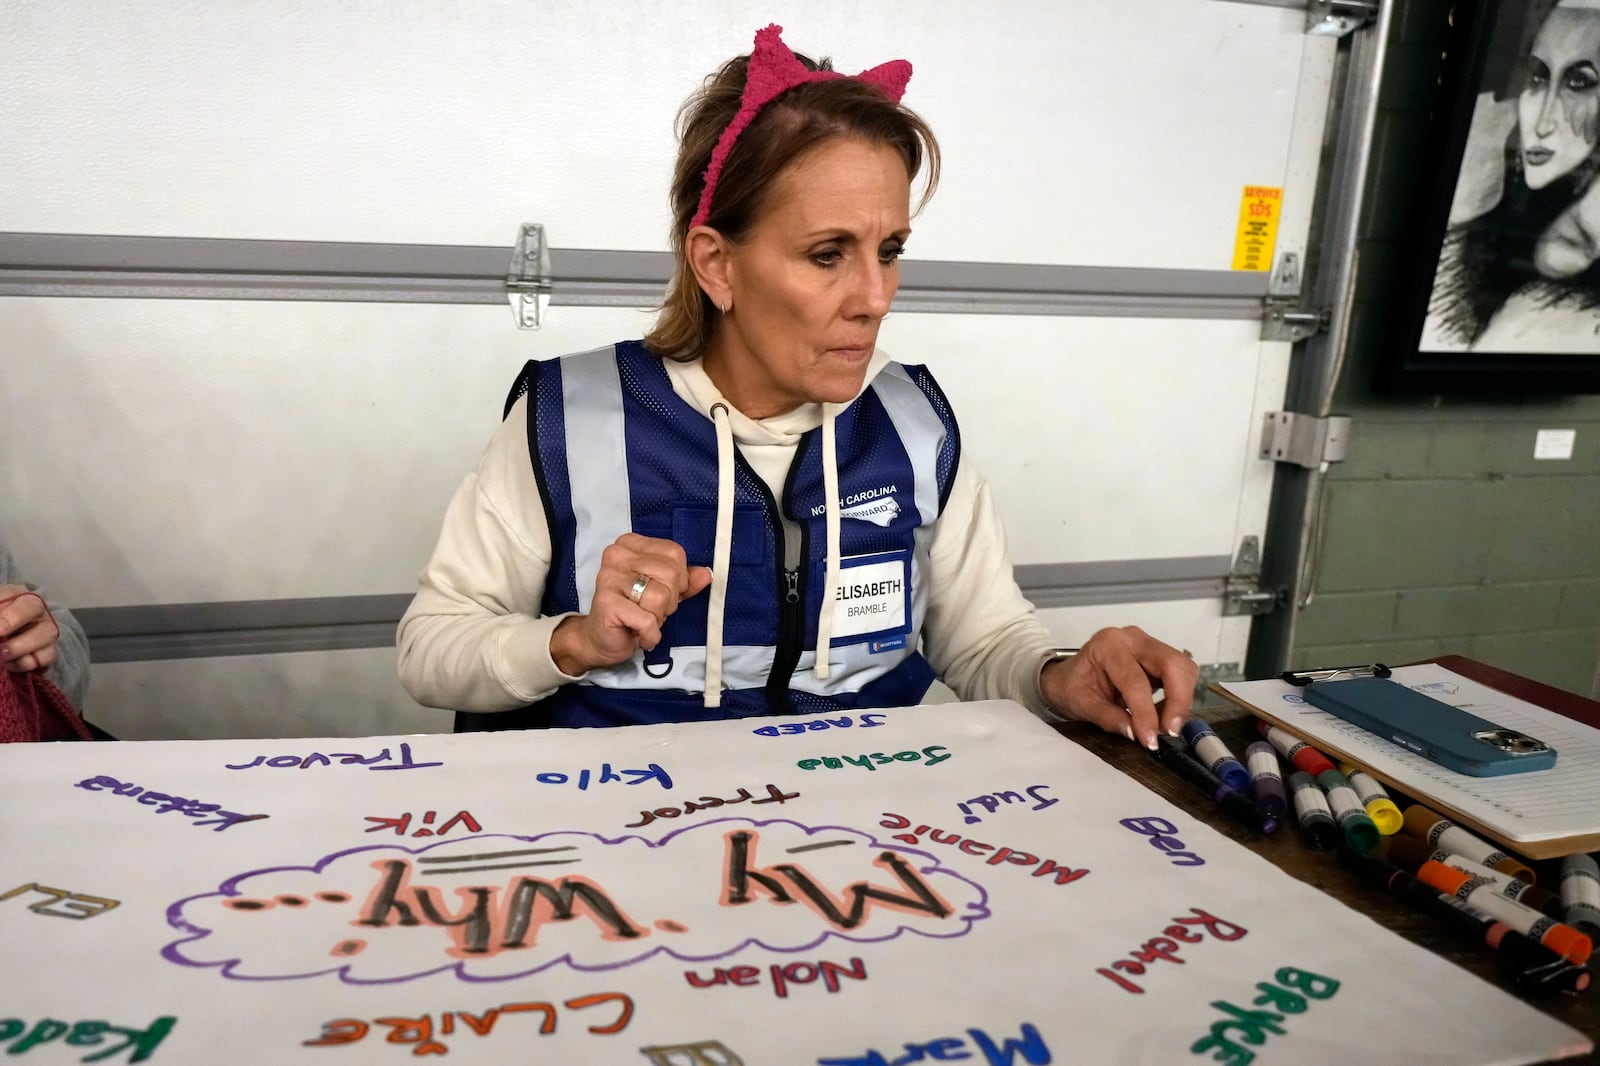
(873, 599)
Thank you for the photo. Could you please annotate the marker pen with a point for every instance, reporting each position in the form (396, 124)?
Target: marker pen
(1580, 892)
(1173, 754)
(1266, 779)
(1529, 965)
(1442, 833)
(1480, 894)
(1209, 749)
(1296, 751)
(1311, 807)
(1409, 853)
(1358, 829)
(1380, 808)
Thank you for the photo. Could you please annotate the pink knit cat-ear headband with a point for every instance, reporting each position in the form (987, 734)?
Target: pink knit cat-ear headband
(774, 69)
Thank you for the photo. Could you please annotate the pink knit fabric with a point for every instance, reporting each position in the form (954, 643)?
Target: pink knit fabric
(33, 708)
(774, 69)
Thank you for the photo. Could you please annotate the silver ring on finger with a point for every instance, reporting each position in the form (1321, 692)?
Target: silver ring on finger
(636, 590)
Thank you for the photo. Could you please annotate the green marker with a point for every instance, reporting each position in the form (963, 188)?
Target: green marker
(1360, 832)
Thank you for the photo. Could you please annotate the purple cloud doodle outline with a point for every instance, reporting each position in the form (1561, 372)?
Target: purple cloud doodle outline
(173, 951)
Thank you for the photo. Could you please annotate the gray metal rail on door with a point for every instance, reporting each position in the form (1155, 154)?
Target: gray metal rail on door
(184, 268)
(336, 623)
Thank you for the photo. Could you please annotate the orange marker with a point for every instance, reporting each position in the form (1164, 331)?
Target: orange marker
(1480, 894)
(1446, 835)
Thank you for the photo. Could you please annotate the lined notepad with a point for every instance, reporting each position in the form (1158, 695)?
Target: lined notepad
(1542, 814)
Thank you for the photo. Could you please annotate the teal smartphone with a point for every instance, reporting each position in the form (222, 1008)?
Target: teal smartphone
(1447, 735)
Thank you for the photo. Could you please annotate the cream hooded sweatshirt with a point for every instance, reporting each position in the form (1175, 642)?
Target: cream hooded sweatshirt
(473, 638)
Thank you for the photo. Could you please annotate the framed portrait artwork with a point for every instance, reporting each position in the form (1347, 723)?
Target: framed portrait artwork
(1502, 289)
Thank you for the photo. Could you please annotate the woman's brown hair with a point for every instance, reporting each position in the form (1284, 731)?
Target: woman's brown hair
(798, 121)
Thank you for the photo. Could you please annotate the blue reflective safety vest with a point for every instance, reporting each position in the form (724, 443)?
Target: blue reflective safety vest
(614, 448)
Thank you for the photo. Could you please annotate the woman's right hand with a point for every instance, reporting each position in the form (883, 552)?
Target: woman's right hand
(617, 626)
(28, 631)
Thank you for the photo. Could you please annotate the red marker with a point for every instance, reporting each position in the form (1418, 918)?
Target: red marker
(1302, 755)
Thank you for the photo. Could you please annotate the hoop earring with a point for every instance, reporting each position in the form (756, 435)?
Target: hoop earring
(727, 306)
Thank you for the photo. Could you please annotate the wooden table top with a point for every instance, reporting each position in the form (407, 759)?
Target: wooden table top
(1291, 851)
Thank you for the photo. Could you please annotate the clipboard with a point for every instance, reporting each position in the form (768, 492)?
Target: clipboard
(1541, 815)
(1450, 736)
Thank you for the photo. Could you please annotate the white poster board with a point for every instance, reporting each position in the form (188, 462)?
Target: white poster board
(919, 885)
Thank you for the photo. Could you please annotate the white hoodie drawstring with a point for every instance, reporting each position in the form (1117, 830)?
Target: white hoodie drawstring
(721, 551)
(830, 574)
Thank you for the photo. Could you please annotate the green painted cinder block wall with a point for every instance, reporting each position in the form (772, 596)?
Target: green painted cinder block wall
(1441, 534)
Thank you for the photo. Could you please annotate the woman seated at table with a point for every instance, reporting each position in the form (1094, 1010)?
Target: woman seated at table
(753, 510)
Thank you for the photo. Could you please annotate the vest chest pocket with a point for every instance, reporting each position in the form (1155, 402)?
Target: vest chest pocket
(695, 529)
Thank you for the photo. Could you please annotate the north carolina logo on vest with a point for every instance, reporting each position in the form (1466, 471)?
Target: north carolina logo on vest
(877, 506)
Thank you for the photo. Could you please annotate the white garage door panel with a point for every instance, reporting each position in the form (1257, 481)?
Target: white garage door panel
(1115, 132)
(304, 694)
(181, 451)
(1190, 625)
(1104, 438)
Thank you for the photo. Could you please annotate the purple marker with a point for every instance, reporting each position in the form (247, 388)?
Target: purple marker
(1210, 750)
(1266, 778)
(1171, 751)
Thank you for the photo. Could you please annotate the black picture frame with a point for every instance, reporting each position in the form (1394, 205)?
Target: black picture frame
(1473, 309)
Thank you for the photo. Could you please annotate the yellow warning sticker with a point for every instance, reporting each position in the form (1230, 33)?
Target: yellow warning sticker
(1258, 227)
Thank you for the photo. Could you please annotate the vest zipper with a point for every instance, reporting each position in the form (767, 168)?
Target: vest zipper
(790, 588)
(791, 596)
(791, 631)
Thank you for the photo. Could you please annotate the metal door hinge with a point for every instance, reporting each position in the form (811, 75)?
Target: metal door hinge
(1339, 18)
(528, 278)
(1282, 320)
(1209, 673)
(1305, 440)
(1242, 592)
